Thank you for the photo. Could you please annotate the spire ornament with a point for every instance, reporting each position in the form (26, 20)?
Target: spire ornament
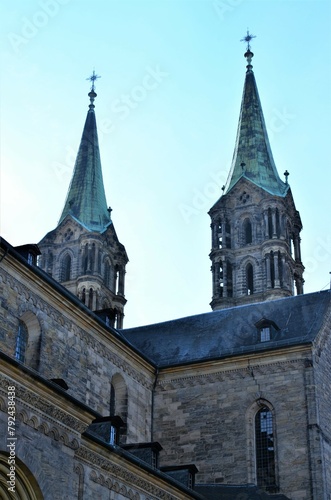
(248, 54)
(92, 95)
(92, 79)
(247, 39)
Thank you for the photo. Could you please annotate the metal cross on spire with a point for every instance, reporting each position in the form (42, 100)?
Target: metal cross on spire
(92, 79)
(247, 39)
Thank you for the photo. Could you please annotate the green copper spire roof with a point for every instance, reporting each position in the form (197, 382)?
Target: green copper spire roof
(86, 199)
(252, 156)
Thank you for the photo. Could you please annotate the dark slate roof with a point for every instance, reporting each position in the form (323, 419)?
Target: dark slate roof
(86, 199)
(228, 332)
(229, 492)
(252, 145)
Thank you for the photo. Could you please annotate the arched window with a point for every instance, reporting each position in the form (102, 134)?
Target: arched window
(248, 235)
(66, 268)
(118, 397)
(21, 341)
(28, 340)
(265, 450)
(25, 485)
(249, 279)
(90, 298)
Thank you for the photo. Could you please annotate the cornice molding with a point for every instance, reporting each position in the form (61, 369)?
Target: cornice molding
(43, 415)
(27, 301)
(118, 477)
(228, 374)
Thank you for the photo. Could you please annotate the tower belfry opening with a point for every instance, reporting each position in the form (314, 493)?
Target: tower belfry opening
(255, 223)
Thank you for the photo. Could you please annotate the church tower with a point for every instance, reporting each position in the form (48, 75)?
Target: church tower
(255, 226)
(83, 252)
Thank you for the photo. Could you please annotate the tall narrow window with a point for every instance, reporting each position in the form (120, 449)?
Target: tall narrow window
(265, 450)
(21, 341)
(247, 232)
(270, 231)
(220, 235)
(85, 259)
(107, 274)
(249, 279)
(90, 298)
(112, 400)
(66, 268)
(221, 279)
(277, 223)
(227, 235)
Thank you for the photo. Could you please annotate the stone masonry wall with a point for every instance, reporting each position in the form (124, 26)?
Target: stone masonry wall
(322, 371)
(74, 347)
(206, 417)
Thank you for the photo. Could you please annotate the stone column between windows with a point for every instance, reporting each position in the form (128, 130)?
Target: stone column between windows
(121, 275)
(266, 225)
(120, 316)
(274, 226)
(223, 233)
(267, 260)
(276, 267)
(89, 259)
(284, 271)
(225, 280)
(214, 236)
(215, 275)
(296, 248)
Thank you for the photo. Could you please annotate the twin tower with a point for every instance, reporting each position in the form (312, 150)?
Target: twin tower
(255, 226)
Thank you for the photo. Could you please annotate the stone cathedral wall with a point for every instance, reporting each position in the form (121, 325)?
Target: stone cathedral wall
(205, 415)
(74, 347)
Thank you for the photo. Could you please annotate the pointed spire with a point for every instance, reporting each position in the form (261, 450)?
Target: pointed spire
(86, 199)
(252, 146)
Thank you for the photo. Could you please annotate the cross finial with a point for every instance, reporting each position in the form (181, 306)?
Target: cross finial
(247, 39)
(92, 79)
(286, 176)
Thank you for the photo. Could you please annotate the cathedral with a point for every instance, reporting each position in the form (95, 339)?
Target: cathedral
(232, 404)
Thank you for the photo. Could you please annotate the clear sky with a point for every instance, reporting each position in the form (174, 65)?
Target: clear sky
(172, 73)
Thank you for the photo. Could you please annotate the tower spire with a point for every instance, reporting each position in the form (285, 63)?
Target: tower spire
(83, 252)
(86, 199)
(252, 143)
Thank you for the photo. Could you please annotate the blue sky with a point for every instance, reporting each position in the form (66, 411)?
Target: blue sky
(172, 73)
